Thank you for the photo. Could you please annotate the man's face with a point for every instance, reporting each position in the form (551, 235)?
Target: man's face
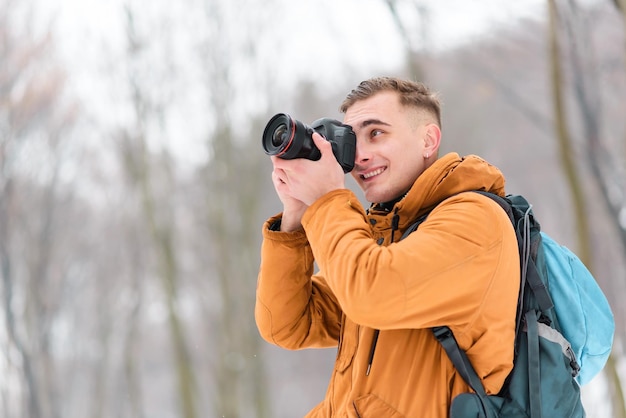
(390, 145)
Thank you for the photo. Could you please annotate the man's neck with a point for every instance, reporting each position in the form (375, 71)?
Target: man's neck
(388, 206)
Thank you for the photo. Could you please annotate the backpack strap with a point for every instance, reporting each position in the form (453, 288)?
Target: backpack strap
(522, 230)
(463, 365)
(413, 227)
(534, 375)
(538, 287)
(523, 223)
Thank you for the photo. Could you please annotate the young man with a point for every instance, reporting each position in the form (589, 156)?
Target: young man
(376, 298)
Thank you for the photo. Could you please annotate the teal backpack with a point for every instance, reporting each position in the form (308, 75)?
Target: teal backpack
(564, 331)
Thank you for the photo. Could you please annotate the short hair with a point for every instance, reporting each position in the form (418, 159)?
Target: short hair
(411, 93)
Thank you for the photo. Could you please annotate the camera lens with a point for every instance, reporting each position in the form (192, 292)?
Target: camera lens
(288, 138)
(280, 135)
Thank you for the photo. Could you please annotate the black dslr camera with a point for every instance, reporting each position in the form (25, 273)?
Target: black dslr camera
(288, 138)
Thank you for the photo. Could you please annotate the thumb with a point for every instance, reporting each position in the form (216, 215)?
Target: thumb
(322, 144)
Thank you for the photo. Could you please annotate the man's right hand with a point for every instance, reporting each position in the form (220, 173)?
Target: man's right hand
(293, 209)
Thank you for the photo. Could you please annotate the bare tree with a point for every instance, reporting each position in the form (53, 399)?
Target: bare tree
(32, 114)
(233, 195)
(566, 148)
(621, 8)
(414, 49)
(158, 216)
(604, 166)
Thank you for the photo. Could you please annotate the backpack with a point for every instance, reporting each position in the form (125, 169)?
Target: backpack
(564, 330)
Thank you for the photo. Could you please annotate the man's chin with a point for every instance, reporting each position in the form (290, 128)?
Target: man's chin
(373, 197)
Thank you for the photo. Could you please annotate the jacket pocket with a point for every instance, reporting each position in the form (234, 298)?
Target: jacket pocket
(371, 406)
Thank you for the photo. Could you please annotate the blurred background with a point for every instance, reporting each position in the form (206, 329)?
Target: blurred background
(133, 185)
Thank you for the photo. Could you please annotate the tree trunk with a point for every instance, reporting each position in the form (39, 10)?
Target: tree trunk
(567, 160)
(161, 231)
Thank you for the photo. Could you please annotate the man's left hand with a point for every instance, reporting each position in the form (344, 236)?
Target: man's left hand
(307, 180)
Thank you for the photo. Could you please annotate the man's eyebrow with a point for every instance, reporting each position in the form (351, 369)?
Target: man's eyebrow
(368, 122)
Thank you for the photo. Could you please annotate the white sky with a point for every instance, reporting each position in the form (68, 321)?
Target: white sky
(311, 40)
(323, 30)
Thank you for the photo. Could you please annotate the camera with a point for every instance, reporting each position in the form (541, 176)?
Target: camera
(288, 138)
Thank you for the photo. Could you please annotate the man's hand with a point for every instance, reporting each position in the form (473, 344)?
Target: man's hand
(301, 182)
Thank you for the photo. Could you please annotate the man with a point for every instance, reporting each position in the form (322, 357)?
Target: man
(376, 298)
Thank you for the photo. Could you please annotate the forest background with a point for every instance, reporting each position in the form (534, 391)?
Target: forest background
(133, 184)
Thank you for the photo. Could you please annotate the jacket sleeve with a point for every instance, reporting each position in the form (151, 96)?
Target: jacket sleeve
(442, 274)
(294, 309)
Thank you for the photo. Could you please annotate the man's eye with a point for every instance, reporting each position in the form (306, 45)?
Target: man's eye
(376, 132)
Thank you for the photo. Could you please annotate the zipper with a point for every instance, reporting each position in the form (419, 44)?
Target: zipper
(372, 350)
(395, 221)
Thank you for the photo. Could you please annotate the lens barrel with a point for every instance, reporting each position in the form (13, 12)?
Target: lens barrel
(288, 138)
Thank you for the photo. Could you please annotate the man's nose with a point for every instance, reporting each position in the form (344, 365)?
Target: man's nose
(362, 153)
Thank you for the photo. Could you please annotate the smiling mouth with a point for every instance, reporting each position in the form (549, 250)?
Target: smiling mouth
(372, 173)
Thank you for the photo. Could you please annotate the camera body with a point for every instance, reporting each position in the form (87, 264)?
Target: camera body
(288, 138)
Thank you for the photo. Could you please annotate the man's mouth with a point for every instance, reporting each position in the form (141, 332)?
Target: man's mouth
(373, 173)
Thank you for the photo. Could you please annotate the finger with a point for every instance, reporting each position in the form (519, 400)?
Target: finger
(278, 176)
(275, 178)
(321, 143)
(275, 160)
(282, 164)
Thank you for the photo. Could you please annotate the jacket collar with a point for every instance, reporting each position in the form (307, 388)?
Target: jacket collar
(449, 175)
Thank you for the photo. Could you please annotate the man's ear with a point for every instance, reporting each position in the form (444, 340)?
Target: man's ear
(432, 139)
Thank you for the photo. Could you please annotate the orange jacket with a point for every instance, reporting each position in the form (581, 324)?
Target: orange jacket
(460, 269)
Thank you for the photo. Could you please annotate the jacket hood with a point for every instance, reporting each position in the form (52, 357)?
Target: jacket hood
(449, 175)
